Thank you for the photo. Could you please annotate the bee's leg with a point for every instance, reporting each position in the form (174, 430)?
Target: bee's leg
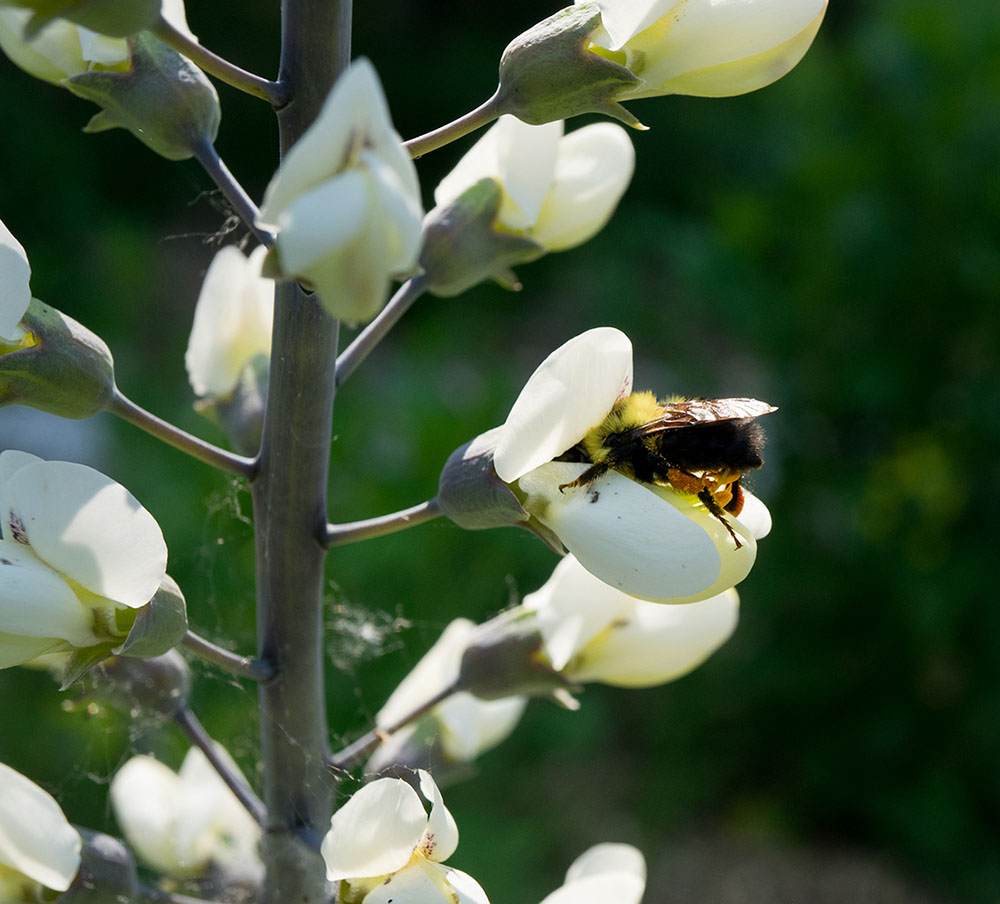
(588, 476)
(709, 500)
(735, 505)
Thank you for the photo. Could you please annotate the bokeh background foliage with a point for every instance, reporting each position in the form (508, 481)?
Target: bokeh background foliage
(828, 244)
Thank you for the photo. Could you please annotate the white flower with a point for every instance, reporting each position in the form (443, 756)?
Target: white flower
(593, 632)
(604, 874)
(39, 849)
(62, 49)
(75, 547)
(648, 541)
(709, 48)
(386, 846)
(232, 321)
(558, 190)
(346, 201)
(180, 823)
(466, 726)
(15, 273)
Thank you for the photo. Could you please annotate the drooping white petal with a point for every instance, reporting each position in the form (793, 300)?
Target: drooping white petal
(232, 321)
(35, 837)
(36, 602)
(605, 872)
(51, 55)
(526, 158)
(375, 832)
(15, 272)
(470, 726)
(18, 650)
(755, 516)
(437, 670)
(142, 795)
(101, 49)
(401, 216)
(623, 19)
(87, 527)
(647, 541)
(573, 607)
(572, 390)
(658, 643)
(594, 168)
(441, 836)
(424, 882)
(608, 858)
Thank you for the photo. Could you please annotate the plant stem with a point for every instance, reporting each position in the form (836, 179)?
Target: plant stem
(127, 410)
(241, 202)
(149, 895)
(352, 532)
(358, 751)
(289, 501)
(190, 725)
(273, 92)
(371, 335)
(484, 114)
(242, 666)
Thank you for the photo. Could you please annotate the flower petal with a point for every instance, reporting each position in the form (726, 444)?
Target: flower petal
(142, 795)
(572, 390)
(375, 832)
(526, 158)
(624, 20)
(87, 527)
(605, 872)
(648, 541)
(470, 726)
(608, 858)
(51, 55)
(594, 168)
(441, 836)
(428, 883)
(755, 516)
(15, 272)
(35, 837)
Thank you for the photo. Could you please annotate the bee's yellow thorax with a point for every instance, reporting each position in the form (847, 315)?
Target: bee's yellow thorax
(627, 414)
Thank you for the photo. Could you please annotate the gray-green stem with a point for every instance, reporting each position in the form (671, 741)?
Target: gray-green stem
(234, 193)
(289, 501)
(484, 114)
(241, 666)
(353, 531)
(127, 410)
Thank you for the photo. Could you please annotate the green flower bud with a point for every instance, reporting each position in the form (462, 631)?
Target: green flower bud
(462, 246)
(163, 99)
(549, 72)
(58, 366)
(116, 18)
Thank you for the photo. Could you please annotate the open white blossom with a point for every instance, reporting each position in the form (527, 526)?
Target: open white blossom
(603, 874)
(387, 846)
(15, 293)
(232, 321)
(558, 190)
(75, 547)
(62, 49)
(346, 201)
(649, 541)
(593, 632)
(39, 849)
(708, 48)
(181, 823)
(465, 725)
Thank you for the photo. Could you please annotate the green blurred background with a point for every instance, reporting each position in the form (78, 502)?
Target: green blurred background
(828, 244)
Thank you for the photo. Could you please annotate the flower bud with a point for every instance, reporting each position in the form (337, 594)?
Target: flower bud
(58, 366)
(107, 872)
(162, 98)
(158, 686)
(117, 18)
(548, 73)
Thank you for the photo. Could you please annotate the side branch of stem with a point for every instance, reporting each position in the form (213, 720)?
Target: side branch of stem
(484, 114)
(229, 462)
(241, 666)
(353, 531)
(235, 194)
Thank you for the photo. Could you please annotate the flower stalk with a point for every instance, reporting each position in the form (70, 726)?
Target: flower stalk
(354, 531)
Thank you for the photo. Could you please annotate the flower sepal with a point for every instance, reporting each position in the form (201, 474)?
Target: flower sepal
(548, 72)
(463, 247)
(158, 686)
(59, 366)
(107, 873)
(162, 98)
(114, 18)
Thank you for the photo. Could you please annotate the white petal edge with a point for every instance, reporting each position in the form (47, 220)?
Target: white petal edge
(36, 839)
(441, 835)
(89, 528)
(755, 516)
(572, 390)
(428, 883)
(623, 20)
(647, 541)
(621, 888)
(527, 157)
(375, 832)
(470, 726)
(15, 274)
(605, 858)
(143, 794)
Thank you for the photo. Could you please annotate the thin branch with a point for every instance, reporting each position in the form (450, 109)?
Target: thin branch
(127, 410)
(149, 895)
(371, 335)
(241, 202)
(190, 725)
(274, 93)
(352, 532)
(483, 114)
(241, 666)
(357, 752)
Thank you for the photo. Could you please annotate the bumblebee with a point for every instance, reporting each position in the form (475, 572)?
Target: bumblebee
(698, 446)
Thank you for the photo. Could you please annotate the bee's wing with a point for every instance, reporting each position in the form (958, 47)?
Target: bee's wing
(692, 412)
